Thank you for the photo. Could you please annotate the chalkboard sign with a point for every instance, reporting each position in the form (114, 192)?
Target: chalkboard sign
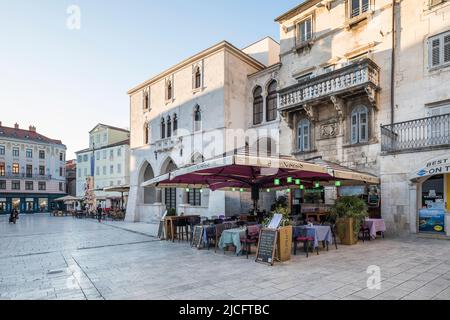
(197, 236)
(161, 230)
(266, 246)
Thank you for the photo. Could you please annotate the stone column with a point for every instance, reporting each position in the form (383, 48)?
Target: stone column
(413, 209)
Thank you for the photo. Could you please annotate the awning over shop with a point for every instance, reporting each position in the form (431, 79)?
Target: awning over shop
(123, 188)
(244, 171)
(439, 165)
(68, 199)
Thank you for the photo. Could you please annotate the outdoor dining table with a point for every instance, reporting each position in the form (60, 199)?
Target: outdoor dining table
(232, 237)
(375, 226)
(319, 233)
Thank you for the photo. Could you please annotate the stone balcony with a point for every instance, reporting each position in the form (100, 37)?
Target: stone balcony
(166, 144)
(359, 77)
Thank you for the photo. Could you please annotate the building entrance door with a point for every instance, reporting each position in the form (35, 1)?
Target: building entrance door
(16, 203)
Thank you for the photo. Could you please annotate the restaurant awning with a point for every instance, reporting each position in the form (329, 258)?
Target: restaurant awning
(68, 199)
(246, 171)
(123, 188)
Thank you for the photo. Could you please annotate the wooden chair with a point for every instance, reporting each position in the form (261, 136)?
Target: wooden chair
(251, 237)
(307, 241)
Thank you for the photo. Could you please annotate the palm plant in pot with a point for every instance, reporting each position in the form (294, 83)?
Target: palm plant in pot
(348, 213)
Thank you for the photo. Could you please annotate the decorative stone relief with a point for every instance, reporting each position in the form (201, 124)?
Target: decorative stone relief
(329, 130)
(288, 118)
(372, 95)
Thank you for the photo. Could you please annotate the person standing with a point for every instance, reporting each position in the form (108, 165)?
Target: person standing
(99, 213)
(13, 216)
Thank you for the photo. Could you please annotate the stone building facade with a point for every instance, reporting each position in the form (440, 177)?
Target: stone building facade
(32, 170)
(107, 161)
(183, 116)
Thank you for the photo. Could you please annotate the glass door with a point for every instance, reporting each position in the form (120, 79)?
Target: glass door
(170, 198)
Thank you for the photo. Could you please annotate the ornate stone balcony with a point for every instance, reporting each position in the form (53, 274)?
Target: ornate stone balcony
(361, 76)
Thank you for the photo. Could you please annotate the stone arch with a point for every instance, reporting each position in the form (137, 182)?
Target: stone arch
(146, 173)
(197, 158)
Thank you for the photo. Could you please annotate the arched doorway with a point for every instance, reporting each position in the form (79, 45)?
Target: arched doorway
(149, 194)
(170, 194)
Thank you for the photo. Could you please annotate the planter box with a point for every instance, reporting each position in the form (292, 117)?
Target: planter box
(346, 233)
(284, 243)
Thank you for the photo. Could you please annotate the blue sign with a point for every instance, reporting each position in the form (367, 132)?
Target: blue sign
(432, 220)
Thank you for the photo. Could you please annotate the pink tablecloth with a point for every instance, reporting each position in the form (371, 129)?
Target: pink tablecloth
(375, 225)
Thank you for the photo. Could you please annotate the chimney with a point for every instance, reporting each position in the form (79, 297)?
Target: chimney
(16, 126)
(32, 128)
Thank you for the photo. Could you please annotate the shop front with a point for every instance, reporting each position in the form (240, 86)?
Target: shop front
(433, 196)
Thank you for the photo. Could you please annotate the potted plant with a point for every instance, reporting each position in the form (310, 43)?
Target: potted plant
(171, 212)
(284, 238)
(348, 213)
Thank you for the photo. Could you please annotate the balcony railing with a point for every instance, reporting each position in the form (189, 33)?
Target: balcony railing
(355, 76)
(24, 176)
(419, 134)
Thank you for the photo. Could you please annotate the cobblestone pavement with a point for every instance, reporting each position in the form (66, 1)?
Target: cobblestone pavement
(46, 257)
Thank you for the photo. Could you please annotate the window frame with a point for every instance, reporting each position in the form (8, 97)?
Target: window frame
(15, 169)
(356, 127)
(361, 6)
(163, 128)
(29, 153)
(272, 98)
(16, 152)
(15, 185)
(42, 186)
(198, 123)
(195, 197)
(42, 154)
(442, 47)
(2, 150)
(258, 102)
(298, 35)
(27, 185)
(300, 135)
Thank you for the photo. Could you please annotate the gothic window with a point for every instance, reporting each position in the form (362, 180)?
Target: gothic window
(147, 133)
(257, 106)
(163, 128)
(197, 78)
(271, 102)
(175, 123)
(197, 119)
(169, 127)
(146, 101)
(169, 90)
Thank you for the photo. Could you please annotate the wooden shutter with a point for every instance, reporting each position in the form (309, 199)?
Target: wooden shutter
(363, 126)
(447, 48)
(435, 52)
(354, 128)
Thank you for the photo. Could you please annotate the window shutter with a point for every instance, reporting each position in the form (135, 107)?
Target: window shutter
(300, 138)
(363, 127)
(306, 135)
(447, 48)
(435, 52)
(308, 29)
(354, 128)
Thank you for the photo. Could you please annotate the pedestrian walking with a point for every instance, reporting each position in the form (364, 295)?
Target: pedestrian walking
(13, 216)
(99, 213)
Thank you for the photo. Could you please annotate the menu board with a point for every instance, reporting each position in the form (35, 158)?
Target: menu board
(197, 236)
(266, 246)
(432, 220)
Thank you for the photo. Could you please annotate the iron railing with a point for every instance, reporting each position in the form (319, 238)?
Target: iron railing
(416, 134)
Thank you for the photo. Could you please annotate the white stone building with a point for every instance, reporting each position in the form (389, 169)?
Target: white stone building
(181, 116)
(32, 170)
(415, 143)
(107, 160)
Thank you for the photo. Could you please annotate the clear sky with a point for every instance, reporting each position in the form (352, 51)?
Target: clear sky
(66, 81)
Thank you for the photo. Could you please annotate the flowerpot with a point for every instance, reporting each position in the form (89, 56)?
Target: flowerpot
(346, 231)
(284, 243)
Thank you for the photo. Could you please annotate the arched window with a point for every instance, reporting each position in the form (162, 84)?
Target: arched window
(271, 102)
(163, 129)
(146, 101)
(197, 78)
(197, 119)
(175, 123)
(304, 135)
(147, 133)
(169, 127)
(169, 94)
(257, 106)
(359, 125)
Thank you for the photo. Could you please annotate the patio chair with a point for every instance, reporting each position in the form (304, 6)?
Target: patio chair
(303, 237)
(364, 232)
(251, 237)
(219, 230)
(333, 232)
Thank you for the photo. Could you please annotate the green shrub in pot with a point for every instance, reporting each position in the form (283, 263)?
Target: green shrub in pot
(348, 211)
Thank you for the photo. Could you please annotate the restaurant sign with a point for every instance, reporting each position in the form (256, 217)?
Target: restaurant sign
(440, 165)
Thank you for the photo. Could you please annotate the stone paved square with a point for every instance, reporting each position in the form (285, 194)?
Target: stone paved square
(64, 258)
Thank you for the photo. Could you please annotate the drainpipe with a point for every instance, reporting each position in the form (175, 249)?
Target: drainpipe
(393, 64)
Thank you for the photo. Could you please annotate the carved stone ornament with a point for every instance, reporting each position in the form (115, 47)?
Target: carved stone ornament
(338, 105)
(371, 95)
(288, 118)
(310, 113)
(329, 130)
